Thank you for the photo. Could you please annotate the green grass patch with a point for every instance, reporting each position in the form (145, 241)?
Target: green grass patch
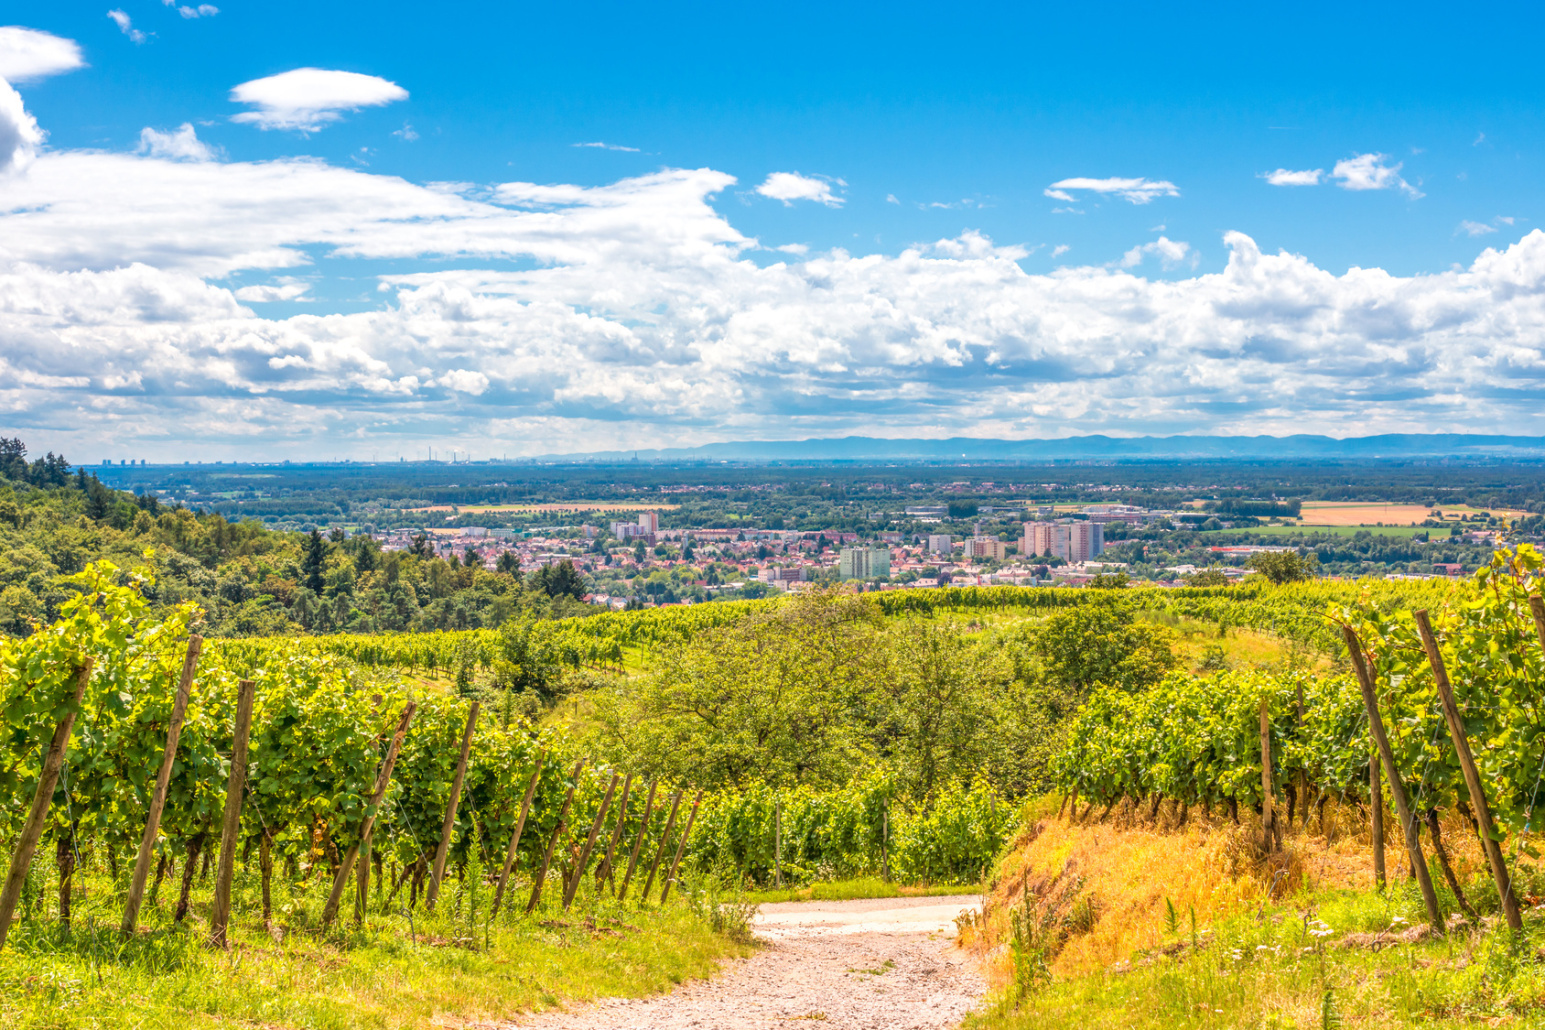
(382, 975)
(1405, 532)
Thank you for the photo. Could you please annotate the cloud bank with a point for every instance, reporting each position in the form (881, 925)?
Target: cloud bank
(168, 304)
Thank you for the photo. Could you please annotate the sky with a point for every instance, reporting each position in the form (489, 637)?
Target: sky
(279, 230)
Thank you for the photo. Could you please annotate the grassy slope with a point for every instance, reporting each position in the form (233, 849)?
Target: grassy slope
(384, 975)
(1253, 960)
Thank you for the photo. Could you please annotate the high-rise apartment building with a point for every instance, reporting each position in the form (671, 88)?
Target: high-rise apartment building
(941, 543)
(650, 521)
(863, 563)
(1069, 540)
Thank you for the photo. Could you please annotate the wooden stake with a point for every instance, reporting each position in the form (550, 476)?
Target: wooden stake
(777, 844)
(42, 798)
(638, 845)
(552, 842)
(1376, 794)
(448, 825)
(681, 846)
(885, 836)
(1397, 788)
(603, 868)
(1268, 816)
(1537, 609)
(147, 842)
(584, 854)
(1456, 730)
(520, 826)
(383, 780)
(665, 838)
(230, 831)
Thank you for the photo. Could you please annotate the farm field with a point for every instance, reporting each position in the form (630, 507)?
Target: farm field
(1404, 532)
(1339, 513)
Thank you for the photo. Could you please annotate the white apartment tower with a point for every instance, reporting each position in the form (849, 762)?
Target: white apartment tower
(1071, 541)
(649, 521)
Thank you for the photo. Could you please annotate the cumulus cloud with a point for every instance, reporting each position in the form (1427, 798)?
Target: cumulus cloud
(181, 144)
(1137, 191)
(791, 186)
(1285, 177)
(583, 317)
(1170, 253)
(19, 132)
(125, 25)
(309, 98)
(1370, 172)
(27, 55)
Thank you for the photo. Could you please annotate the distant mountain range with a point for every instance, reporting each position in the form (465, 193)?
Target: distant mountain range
(1085, 448)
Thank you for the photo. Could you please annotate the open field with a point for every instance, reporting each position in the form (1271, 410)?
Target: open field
(1348, 531)
(1350, 513)
(571, 506)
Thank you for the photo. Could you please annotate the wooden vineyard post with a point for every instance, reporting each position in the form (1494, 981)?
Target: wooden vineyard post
(1397, 789)
(603, 868)
(552, 842)
(1376, 796)
(1537, 609)
(885, 837)
(681, 846)
(777, 844)
(1268, 815)
(383, 780)
(520, 826)
(448, 825)
(584, 855)
(1303, 777)
(665, 839)
(147, 842)
(638, 845)
(1472, 775)
(230, 831)
(42, 798)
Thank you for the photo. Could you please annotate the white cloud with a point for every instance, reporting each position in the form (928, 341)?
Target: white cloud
(1060, 249)
(463, 380)
(283, 288)
(1476, 228)
(793, 248)
(201, 11)
(890, 198)
(406, 133)
(578, 317)
(1285, 177)
(19, 132)
(1369, 172)
(1137, 191)
(607, 146)
(126, 25)
(309, 98)
(1170, 254)
(181, 145)
(27, 55)
(791, 186)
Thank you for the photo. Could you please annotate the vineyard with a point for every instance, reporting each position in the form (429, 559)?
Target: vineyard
(1251, 740)
(1293, 611)
(352, 773)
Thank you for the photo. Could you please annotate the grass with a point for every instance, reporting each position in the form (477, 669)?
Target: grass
(1182, 927)
(1405, 532)
(864, 887)
(443, 970)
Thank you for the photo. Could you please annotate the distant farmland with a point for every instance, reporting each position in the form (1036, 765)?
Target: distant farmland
(1355, 513)
(572, 506)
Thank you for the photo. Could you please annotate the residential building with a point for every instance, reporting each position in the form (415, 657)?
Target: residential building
(863, 563)
(986, 547)
(1071, 541)
(628, 530)
(650, 521)
(780, 577)
(941, 543)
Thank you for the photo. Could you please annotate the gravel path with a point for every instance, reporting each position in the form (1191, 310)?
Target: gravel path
(876, 964)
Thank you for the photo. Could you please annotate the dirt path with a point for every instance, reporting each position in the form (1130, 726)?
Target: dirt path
(879, 964)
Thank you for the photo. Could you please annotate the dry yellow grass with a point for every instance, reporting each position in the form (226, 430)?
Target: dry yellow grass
(1126, 868)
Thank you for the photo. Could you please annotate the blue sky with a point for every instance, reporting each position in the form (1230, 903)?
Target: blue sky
(986, 104)
(908, 125)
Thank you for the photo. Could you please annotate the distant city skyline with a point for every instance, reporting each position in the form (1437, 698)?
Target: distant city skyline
(237, 231)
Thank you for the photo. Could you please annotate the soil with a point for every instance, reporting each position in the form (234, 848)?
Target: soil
(876, 964)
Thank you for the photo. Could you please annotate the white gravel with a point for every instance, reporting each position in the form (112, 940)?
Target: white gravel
(877, 964)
